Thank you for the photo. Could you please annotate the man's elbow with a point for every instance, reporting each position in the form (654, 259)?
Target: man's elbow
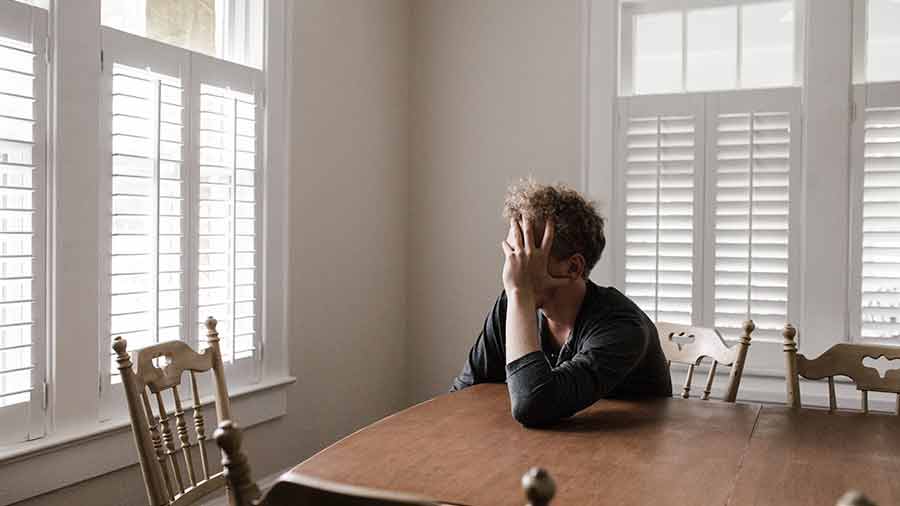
(532, 412)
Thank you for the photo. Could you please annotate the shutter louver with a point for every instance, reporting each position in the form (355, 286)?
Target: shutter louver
(147, 249)
(752, 169)
(17, 227)
(881, 224)
(227, 218)
(659, 216)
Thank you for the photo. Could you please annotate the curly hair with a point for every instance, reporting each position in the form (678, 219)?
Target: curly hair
(579, 227)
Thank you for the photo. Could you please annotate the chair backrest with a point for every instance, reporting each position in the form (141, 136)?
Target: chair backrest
(160, 456)
(292, 489)
(843, 359)
(689, 345)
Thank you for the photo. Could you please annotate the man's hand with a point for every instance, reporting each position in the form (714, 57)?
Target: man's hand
(526, 269)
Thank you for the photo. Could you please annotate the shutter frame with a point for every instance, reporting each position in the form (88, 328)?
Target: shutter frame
(27, 25)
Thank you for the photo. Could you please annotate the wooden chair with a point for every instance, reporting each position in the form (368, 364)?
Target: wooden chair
(159, 456)
(842, 359)
(298, 490)
(689, 345)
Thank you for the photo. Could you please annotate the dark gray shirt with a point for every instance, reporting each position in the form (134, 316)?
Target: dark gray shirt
(613, 351)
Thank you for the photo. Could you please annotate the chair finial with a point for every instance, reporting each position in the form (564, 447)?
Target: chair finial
(211, 332)
(120, 346)
(236, 467)
(538, 486)
(854, 498)
(748, 326)
(790, 335)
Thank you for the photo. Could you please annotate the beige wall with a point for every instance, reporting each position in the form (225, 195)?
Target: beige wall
(348, 239)
(495, 97)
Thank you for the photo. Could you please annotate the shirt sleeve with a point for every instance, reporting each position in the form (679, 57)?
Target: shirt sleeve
(487, 357)
(541, 394)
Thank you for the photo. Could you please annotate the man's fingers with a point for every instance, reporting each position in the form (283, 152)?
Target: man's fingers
(528, 232)
(518, 242)
(549, 232)
(507, 249)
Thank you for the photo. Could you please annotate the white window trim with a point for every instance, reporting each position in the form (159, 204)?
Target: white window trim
(630, 9)
(73, 417)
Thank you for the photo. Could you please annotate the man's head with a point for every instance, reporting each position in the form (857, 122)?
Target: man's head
(579, 239)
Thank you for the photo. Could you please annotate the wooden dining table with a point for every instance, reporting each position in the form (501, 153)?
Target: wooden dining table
(466, 448)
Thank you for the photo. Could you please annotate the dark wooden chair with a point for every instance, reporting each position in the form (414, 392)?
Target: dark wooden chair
(685, 344)
(293, 489)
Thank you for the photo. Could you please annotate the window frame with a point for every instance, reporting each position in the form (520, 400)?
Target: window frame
(75, 419)
(767, 358)
(630, 9)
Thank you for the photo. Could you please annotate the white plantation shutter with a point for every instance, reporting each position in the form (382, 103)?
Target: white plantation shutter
(227, 125)
(661, 160)
(753, 143)
(145, 114)
(183, 132)
(876, 218)
(23, 133)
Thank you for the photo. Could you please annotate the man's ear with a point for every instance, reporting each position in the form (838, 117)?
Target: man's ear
(576, 266)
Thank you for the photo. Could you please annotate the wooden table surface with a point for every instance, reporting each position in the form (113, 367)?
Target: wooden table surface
(466, 448)
(813, 457)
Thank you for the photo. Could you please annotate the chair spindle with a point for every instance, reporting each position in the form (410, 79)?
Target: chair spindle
(790, 366)
(169, 442)
(181, 427)
(199, 426)
(898, 404)
(864, 400)
(157, 443)
(686, 391)
(709, 380)
(832, 398)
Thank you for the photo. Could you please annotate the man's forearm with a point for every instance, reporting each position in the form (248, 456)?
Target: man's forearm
(521, 331)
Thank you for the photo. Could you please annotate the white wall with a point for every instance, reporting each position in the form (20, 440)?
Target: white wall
(348, 239)
(495, 97)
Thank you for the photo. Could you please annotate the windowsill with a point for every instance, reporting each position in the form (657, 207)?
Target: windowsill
(75, 457)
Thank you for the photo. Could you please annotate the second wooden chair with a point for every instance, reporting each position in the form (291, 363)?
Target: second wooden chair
(689, 345)
(842, 359)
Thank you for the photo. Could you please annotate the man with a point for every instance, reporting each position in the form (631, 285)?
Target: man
(558, 340)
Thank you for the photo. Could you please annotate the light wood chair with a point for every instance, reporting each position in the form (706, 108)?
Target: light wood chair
(160, 457)
(294, 489)
(842, 359)
(689, 345)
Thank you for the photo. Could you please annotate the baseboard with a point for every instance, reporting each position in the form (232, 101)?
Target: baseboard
(264, 483)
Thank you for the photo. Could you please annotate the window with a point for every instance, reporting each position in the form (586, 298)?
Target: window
(183, 226)
(875, 173)
(706, 177)
(673, 47)
(23, 148)
(882, 45)
(227, 29)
